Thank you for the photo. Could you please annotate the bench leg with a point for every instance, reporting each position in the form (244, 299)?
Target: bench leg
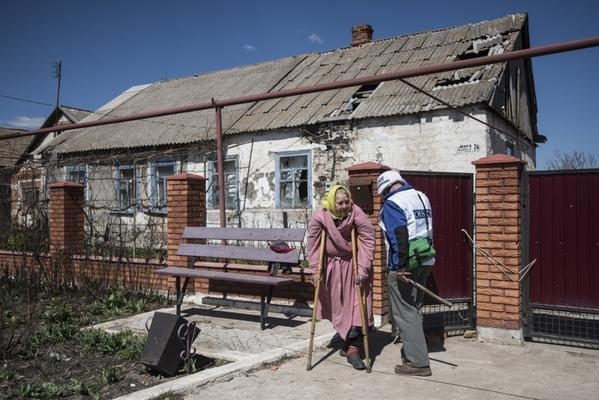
(178, 290)
(264, 307)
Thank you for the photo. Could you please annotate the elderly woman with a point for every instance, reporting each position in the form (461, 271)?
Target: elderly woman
(338, 301)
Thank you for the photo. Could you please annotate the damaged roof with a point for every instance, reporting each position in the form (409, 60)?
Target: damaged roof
(391, 98)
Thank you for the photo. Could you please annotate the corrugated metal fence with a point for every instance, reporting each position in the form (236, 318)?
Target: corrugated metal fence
(562, 303)
(452, 203)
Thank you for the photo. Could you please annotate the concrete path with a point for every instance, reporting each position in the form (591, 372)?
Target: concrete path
(272, 364)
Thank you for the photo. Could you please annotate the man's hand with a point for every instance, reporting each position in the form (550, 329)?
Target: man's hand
(403, 275)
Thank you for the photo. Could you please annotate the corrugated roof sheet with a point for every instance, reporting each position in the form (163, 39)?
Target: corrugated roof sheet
(13, 149)
(380, 56)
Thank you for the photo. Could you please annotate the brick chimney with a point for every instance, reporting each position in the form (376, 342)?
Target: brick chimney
(361, 34)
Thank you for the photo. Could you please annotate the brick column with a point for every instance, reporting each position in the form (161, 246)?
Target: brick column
(66, 219)
(362, 184)
(186, 207)
(498, 222)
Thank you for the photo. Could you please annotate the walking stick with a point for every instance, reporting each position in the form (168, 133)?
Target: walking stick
(361, 299)
(323, 236)
(429, 292)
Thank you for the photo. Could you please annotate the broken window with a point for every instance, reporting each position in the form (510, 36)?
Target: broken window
(231, 179)
(293, 174)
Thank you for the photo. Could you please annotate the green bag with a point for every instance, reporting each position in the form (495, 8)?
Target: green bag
(420, 250)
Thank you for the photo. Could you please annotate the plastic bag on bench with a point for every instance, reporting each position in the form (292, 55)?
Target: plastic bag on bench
(279, 246)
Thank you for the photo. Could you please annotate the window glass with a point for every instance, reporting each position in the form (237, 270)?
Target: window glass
(126, 188)
(161, 171)
(231, 179)
(293, 177)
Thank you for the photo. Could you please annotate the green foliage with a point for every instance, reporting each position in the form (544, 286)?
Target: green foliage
(124, 344)
(110, 375)
(43, 390)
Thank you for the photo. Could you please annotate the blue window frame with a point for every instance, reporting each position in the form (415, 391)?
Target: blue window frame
(159, 171)
(231, 171)
(77, 173)
(293, 176)
(126, 187)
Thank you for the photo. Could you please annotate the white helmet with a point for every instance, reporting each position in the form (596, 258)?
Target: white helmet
(386, 179)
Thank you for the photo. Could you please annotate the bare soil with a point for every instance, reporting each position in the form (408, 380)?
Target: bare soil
(65, 368)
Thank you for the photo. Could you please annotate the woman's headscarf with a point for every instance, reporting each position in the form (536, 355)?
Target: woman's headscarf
(328, 202)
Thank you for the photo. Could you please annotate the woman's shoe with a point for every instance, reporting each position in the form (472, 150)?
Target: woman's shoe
(356, 361)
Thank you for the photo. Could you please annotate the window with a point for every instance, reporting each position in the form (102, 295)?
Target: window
(293, 175)
(126, 188)
(78, 174)
(30, 194)
(231, 183)
(509, 148)
(158, 173)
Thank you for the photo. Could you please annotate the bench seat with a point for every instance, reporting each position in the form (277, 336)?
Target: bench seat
(232, 246)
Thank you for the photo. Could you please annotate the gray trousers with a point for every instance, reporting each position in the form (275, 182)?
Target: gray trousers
(406, 302)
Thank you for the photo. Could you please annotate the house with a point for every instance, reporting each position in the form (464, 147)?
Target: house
(26, 176)
(281, 154)
(11, 151)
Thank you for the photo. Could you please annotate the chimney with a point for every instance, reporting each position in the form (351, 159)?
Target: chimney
(361, 34)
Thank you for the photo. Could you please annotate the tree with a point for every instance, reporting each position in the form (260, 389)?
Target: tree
(574, 160)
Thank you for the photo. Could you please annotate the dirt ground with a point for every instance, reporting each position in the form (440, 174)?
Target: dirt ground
(65, 369)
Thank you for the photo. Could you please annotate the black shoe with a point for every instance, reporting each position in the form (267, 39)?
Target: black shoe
(356, 361)
(407, 369)
(336, 342)
(343, 353)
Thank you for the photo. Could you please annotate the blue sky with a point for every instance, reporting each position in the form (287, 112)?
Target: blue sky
(108, 46)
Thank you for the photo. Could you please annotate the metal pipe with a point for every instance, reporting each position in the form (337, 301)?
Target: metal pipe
(494, 59)
(220, 165)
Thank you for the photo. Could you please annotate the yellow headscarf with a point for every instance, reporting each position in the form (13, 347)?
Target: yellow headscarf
(328, 202)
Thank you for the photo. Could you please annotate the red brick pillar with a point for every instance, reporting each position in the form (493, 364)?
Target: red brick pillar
(186, 207)
(66, 219)
(498, 239)
(362, 184)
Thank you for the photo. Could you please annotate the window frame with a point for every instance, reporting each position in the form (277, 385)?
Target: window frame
(156, 188)
(278, 179)
(79, 168)
(134, 203)
(212, 200)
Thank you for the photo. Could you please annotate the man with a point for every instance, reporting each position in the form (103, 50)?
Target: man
(405, 215)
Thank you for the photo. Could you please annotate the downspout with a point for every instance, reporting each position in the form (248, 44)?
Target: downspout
(220, 164)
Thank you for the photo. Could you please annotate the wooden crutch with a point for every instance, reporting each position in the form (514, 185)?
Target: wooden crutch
(323, 236)
(361, 298)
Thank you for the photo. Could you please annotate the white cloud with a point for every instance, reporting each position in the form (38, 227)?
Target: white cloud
(27, 122)
(249, 47)
(314, 38)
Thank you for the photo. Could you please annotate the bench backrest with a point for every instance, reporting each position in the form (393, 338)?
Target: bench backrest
(233, 250)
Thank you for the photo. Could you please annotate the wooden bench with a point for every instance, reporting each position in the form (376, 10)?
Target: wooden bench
(231, 246)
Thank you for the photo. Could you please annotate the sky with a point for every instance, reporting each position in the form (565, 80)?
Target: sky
(108, 46)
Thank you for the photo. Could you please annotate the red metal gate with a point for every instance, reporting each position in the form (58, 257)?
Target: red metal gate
(562, 300)
(452, 203)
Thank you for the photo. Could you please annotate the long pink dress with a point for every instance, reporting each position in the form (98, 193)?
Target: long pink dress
(337, 299)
